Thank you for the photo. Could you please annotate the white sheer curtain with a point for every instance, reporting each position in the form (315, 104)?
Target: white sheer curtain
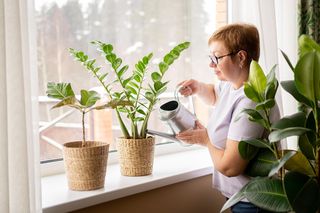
(19, 161)
(277, 24)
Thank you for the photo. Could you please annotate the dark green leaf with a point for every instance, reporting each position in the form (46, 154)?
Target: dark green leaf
(141, 111)
(295, 120)
(287, 60)
(111, 57)
(174, 53)
(280, 134)
(258, 143)
(138, 119)
(290, 87)
(267, 104)
(168, 59)
(122, 70)
(267, 194)
(302, 192)
(280, 163)
(234, 199)
(107, 49)
(126, 81)
(116, 63)
(253, 116)
(247, 151)
(158, 85)
(306, 147)
(261, 164)
(311, 124)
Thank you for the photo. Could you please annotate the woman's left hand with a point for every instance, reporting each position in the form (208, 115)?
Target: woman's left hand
(198, 135)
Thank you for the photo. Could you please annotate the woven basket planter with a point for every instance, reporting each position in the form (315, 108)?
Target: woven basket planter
(136, 156)
(85, 166)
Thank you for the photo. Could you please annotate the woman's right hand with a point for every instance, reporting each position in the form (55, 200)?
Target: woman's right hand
(189, 87)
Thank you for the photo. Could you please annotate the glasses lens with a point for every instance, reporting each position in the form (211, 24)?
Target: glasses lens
(213, 59)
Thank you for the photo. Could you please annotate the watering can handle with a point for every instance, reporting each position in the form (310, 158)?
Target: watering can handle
(176, 96)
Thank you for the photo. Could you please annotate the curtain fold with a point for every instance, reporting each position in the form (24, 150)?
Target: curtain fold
(19, 154)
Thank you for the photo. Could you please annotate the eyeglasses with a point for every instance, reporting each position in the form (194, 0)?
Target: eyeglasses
(215, 59)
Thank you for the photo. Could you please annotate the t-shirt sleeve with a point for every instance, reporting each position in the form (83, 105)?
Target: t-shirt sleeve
(243, 128)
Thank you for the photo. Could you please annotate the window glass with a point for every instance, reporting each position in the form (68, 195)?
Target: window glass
(135, 28)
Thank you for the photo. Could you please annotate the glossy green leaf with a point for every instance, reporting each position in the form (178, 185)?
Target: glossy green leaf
(234, 199)
(163, 67)
(294, 120)
(267, 194)
(251, 93)
(247, 151)
(299, 163)
(261, 164)
(253, 115)
(158, 85)
(271, 90)
(88, 98)
(302, 192)
(291, 88)
(107, 49)
(59, 90)
(311, 124)
(257, 79)
(111, 57)
(168, 59)
(122, 70)
(280, 134)
(280, 163)
(175, 54)
(155, 76)
(102, 77)
(267, 104)
(257, 143)
(306, 45)
(306, 147)
(307, 76)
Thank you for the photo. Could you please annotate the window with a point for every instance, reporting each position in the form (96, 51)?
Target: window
(135, 28)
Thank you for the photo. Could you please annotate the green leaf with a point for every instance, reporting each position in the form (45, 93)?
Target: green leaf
(291, 88)
(267, 194)
(163, 67)
(234, 199)
(294, 120)
(299, 163)
(175, 54)
(141, 111)
(251, 93)
(247, 151)
(116, 63)
(280, 163)
(307, 76)
(107, 49)
(59, 90)
(306, 147)
(267, 104)
(257, 79)
(122, 71)
(280, 134)
(287, 60)
(168, 59)
(302, 192)
(102, 77)
(137, 78)
(158, 85)
(89, 98)
(258, 143)
(311, 124)
(261, 164)
(271, 90)
(254, 116)
(149, 96)
(306, 45)
(111, 57)
(138, 119)
(155, 76)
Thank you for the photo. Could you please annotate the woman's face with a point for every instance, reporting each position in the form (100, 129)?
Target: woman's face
(228, 68)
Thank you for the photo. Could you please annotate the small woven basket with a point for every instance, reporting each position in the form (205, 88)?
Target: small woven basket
(136, 156)
(85, 166)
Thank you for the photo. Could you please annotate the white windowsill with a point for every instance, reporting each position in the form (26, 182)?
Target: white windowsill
(168, 169)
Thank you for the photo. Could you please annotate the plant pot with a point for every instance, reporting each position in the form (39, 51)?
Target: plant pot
(136, 156)
(85, 166)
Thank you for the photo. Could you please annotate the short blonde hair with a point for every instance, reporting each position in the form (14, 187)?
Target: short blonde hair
(238, 37)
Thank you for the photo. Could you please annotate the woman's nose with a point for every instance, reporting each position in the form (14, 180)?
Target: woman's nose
(213, 65)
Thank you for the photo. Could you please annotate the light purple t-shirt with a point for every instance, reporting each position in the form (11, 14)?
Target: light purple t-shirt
(222, 126)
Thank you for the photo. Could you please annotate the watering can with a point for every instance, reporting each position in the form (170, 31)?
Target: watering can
(177, 116)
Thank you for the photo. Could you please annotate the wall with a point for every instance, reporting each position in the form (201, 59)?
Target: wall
(193, 196)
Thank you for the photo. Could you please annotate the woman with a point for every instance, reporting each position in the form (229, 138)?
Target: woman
(232, 47)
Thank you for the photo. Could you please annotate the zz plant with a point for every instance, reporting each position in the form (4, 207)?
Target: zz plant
(140, 88)
(88, 99)
(284, 180)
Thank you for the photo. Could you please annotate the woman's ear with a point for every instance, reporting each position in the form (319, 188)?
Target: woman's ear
(243, 55)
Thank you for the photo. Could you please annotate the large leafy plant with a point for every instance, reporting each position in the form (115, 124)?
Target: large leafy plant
(86, 103)
(132, 87)
(284, 180)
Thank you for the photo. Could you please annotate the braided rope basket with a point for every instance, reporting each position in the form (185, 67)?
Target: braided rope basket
(136, 156)
(85, 166)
